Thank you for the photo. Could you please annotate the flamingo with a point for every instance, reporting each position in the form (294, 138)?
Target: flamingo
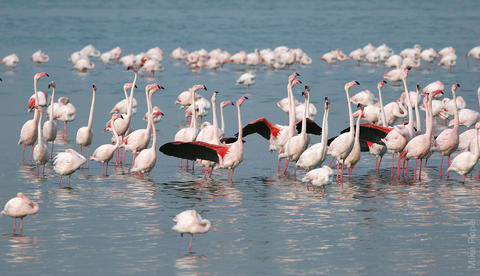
(447, 141)
(157, 115)
(465, 161)
(428, 55)
(202, 106)
(122, 106)
(354, 155)
(474, 52)
(10, 61)
(66, 113)
(190, 222)
(329, 58)
(140, 138)
(188, 134)
(90, 51)
(67, 162)
(39, 57)
(364, 97)
(151, 65)
(316, 154)
(19, 207)
(448, 61)
(467, 117)
(179, 54)
(85, 134)
(246, 79)
(446, 51)
(394, 61)
(297, 144)
(28, 133)
(40, 152)
(227, 156)
(357, 55)
(394, 75)
(342, 145)
(467, 136)
(319, 177)
(105, 152)
(147, 158)
(123, 123)
(83, 64)
(419, 146)
(50, 126)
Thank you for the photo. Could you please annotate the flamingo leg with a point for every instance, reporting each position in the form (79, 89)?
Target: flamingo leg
(343, 165)
(60, 181)
(211, 170)
(338, 168)
(88, 154)
(420, 172)
(23, 154)
(191, 240)
(278, 166)
(393, 161)
(193, 165)
(14, 223)
(448, 165)
(398, 167)
(186, 165)
(415, 170)
(69, 177)
(441, 166)
(331, 161)
(21, 226)
(379, 162)
(181, 163)
(38, 170)
(286, 166)
(31, 153)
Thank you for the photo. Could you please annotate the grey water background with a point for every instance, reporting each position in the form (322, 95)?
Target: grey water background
(262, 223)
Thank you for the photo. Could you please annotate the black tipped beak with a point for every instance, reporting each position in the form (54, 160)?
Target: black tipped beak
(303, 93)
(1, 79)
(49, 86)
(121, 116)
(161, 87)
(458, 84)
(135, 86)
(216, 92)
(357, 82)
(297, 74)
(245, 97)
(384, 81)
(326, 98)
(204, 87)
(47, 75)
(94, 86)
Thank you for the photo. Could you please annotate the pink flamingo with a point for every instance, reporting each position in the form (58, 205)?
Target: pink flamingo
(28, 133)
(40, 152)
(354, 155)
(50, 126)
(465, 161)
(67, 162)
(191, 222)
(85, 134)
(447, 141)
(105, 152)
(19, 207)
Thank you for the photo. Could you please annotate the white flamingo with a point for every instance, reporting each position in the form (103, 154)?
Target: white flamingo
(104, 153)
(40, 152)
(190, 222)
(67, 162)
(465, 161)
(50, 126)
(85, 134)
(19, 207)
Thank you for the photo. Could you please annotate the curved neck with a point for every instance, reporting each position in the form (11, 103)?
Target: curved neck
(429, 118)
(34, 208)
(52, 105)
(350, 116)
(221, 118)
(357, 128)
(325, 129)
(151, 125)
(92, 107)
(148, 96)
(382, 110)
(35, 89)
(115, 134)
(291, 110)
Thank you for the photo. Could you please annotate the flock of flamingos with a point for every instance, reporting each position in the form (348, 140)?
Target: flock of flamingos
(207, 145)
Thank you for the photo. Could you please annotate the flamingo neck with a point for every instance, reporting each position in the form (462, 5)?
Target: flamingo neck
(350, 116)
(291, 110)
(382, 110)
(410, 110)
(455, 112)
(476, 147)
(35, 89)
(130, 100)
(152, 125)
(429, 118)
(92, 107)
(52, 105)
(193, 121)
(240, 129)
(115, 134)
(304, 119)
(215, 122)
(34, 209)
(325, 131)
(221, 119)
(39, 129)
(149, 110)
(417, 114)
(357, 128)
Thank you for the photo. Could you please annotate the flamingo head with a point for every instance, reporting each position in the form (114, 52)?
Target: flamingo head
(133, 68)
(350, 84)
(142, 62)
(293, 76)
(305, 94)
(199, 86)
(418, 86)
(128, 86)
(241, 100)
(51, 84)
(41, 75)
(94, 87)
(455, 86)
(224, 103)
(477, 126)
(117, 116)
(307, 87)
(152, 88)
(405, 72)
(327, 103)
(381, 84)
(295, 82)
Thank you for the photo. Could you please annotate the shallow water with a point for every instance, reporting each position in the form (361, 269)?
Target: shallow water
(262, 223)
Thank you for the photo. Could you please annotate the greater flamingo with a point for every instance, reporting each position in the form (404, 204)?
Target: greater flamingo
(66, 113)
(67, 162)
(10, 61)
(190, 222)
(465, 161)
(40, 152)
(85, 134)
(28, 133)
(354, 155)
(157, 115)
(316, 154)
(147, 158)
(246, 79)
(39, 57)
(122, 106)
(342, 145)
(319, 177)
(447, 141)
(50, 126)
(105, 152)
(19, 207)
(140, 138)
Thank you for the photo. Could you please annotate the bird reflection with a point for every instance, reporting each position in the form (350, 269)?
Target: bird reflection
(191, 262)
(21, 248)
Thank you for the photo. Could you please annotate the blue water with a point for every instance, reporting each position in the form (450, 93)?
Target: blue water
(262, 223)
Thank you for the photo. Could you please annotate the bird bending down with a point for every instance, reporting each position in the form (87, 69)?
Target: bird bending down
(19, 207)
(67, 162)
(465, 161)
(190, 222)
(319, 177)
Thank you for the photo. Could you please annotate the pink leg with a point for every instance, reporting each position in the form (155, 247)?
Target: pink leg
(448, 165)
(278, 166)
(193, 165)
(31, 153)
(231, 175)
(14, 223)
(23, 154)
(393, 161)
(286, 166)
(343, 165)
(187, 165)
(331, 161)
(420, 173)
(88, 154)
(191, 240)
(69, 177)
(60, 181)
(398, 167)
(380, 162)
(415, 171)
(211, 170)
(441, 166)
(294, 170)
(338, 168)
(21, 226)
(181, 163)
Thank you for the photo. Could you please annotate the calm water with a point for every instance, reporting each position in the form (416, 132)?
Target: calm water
(262, 223)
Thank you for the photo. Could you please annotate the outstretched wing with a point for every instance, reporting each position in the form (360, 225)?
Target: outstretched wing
(312, 127)
(371, 132)
(193, 150)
